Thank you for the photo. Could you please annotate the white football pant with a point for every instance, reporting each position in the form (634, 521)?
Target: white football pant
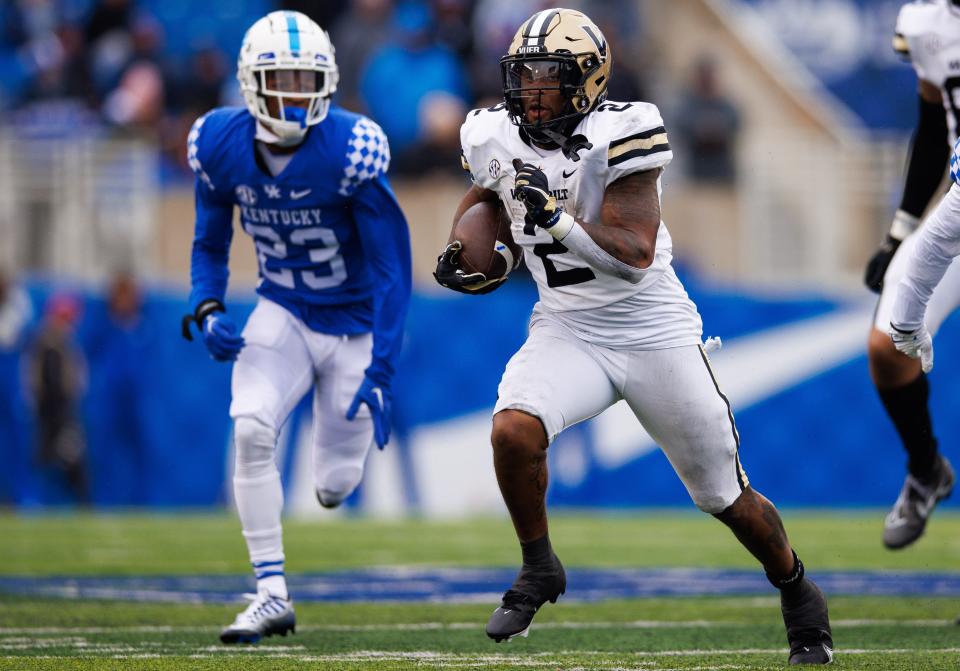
(562, 380)
(281, 361)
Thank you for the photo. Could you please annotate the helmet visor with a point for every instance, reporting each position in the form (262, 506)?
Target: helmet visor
(286, 82)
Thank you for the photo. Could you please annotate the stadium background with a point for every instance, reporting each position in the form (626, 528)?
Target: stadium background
(789, 121)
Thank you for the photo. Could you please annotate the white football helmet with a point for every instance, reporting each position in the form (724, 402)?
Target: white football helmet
(287, 57)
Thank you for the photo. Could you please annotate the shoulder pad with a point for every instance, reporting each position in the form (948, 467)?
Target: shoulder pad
(483, 129)
(206, 140)
(630, 132)
(367, 155)
(916, 18)
(481, 124)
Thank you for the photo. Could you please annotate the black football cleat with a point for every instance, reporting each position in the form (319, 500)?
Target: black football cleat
(532, 588)
(808, 624)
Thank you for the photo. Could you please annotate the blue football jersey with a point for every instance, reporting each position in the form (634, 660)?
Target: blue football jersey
(329, 235)
(955, 163)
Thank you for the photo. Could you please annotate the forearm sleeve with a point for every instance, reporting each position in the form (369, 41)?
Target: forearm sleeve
(386, 244)
(937, 245)
(211, 247)
(929, 153)
(577, 240)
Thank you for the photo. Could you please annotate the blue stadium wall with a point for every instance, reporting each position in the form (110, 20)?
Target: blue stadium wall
(158, 433)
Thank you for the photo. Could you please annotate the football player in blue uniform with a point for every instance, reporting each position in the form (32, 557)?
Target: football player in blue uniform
(309, 181)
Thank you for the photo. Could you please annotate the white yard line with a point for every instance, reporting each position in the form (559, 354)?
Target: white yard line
(429, 626)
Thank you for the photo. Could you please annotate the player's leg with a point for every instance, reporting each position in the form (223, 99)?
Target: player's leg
(552, 382)
(340, 446)
(904, 390)
(675, 396)
(272, 373)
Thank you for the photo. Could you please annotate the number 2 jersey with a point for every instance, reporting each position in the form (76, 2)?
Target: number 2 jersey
(928, 34)
(331, 241)
(600, 308)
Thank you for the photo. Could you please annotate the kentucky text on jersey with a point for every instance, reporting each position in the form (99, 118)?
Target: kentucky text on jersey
(262, 215)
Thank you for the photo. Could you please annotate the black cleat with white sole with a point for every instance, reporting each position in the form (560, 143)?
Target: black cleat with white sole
(533, 587)
(808, 624)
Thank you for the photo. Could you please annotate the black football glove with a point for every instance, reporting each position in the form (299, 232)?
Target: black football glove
(449, 274)
(533, 191)
(877, 266)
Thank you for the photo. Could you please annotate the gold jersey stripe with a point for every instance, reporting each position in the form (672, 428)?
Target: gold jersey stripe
(900, 45)
(638, 144)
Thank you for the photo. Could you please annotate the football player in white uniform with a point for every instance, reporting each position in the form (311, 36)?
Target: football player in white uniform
(580, 180)
(928, 33)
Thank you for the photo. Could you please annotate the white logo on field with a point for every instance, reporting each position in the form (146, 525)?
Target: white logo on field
(297, 195)
(272, 190)
(246, 195)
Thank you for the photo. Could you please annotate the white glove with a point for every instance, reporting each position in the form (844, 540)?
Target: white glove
(915, 344)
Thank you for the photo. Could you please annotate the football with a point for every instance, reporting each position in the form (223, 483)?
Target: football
(488, 246)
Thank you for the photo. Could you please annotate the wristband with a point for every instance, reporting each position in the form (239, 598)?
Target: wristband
(562, 228)
(903, 225)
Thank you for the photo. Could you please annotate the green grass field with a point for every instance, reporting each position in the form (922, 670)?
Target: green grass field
(883, 633)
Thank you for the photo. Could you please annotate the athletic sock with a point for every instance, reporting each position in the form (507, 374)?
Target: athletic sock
(537, 552)
(270, 578)
(789, 584)
(908, 409)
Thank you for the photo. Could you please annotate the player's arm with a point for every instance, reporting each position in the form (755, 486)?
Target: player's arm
(937, 247)
(623, 244)
(449, 274)
(929, 153)
(386, 245)
(213, 232)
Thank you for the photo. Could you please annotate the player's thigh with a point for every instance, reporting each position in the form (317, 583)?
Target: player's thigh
(944, 300)
(556, 378)
(675, 396)
(273, 370)
(340, 446)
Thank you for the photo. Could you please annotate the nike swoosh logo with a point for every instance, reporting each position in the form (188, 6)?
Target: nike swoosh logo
(297, 195)
(565, 175)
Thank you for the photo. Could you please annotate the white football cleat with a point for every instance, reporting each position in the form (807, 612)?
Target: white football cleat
(265, 616)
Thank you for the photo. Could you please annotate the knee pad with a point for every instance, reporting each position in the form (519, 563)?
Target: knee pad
(255, 443)
(333, 487)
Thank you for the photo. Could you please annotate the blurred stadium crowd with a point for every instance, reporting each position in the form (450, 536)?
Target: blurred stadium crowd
(147, 66)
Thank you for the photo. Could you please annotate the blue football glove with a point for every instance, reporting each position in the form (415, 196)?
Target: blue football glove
(221, 337)
(377, 398)
(219, 333)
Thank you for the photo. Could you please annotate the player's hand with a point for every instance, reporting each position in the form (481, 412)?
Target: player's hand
(449, 274)
(377, 398)
(533, 191)
(915, 344)
(877, 266)
(221, 337)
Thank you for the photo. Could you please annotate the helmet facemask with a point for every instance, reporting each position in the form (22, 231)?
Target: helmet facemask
(288, 101)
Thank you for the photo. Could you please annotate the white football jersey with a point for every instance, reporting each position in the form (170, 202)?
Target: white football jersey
(928, 33)
(601, 308)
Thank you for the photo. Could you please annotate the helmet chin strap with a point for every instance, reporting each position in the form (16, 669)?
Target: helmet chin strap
(570, 146)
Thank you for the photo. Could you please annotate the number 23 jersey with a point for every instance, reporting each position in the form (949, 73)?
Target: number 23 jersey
(598, 307)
